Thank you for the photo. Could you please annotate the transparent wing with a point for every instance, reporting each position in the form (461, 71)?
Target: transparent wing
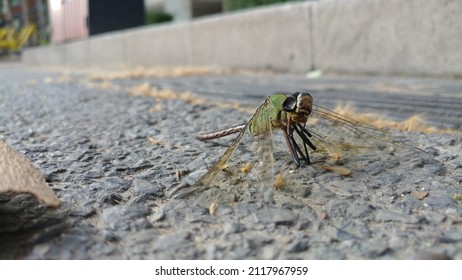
(260, 145)
(264, 168)
(334, 134)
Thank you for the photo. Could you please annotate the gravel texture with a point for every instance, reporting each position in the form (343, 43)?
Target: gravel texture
(114, 158)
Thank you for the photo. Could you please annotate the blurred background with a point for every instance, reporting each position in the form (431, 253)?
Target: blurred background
(395, 37)
(27, 23)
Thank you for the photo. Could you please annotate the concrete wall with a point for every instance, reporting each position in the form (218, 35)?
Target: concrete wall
(272, 38)
(412, 37)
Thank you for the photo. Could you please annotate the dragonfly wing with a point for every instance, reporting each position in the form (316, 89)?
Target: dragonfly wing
(205, 182)
(259, 130)
(264, 154)
(348, 134)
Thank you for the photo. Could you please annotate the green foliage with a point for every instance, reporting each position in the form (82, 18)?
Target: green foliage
(157, 17)
(231, 5)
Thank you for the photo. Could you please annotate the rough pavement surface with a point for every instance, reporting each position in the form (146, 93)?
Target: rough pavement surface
(113, 158)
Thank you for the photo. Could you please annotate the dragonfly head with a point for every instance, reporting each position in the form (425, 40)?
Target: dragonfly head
(299, 103)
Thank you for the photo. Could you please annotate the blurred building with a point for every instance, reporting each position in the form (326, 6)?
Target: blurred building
(75, 19)
(60, 21)
(68, 20)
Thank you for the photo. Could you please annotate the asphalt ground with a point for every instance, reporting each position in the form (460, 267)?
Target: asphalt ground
(115, 148)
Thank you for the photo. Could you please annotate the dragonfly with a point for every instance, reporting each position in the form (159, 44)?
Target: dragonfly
(290, 114)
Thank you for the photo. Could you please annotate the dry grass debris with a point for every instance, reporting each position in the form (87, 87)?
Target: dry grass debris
(142, 72)
(146, 89)
(415, 123)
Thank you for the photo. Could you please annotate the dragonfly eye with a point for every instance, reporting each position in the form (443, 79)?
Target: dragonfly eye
(290, 103)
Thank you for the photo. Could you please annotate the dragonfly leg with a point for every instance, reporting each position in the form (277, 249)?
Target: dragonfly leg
(304, 134)
(305, 156)
(290, 144)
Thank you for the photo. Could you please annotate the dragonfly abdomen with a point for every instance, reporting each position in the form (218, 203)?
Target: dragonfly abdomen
(220, 133)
